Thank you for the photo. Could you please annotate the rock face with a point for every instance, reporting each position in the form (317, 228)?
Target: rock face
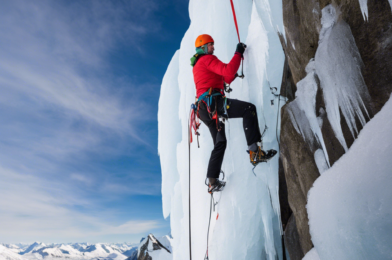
(292, 240)
(302, 20)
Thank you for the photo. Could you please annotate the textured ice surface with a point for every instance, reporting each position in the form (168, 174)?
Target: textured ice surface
(349, 206)
(338, 66)
(303, 109)
(248, 224)
(311, 255)
(169, 132)
(319, 157)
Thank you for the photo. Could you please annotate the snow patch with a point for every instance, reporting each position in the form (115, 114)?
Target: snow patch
(312, 255)
(349, 206)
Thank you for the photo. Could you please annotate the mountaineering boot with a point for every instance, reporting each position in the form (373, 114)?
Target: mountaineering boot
(260, 156)
(215, 185)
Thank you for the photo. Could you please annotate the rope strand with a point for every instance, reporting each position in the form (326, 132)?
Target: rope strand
(190, 224)
(235, 20)
(209, 222)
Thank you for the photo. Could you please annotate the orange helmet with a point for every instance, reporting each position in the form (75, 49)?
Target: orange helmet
(203, 39)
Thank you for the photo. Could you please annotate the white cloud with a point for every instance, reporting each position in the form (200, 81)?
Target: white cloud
(133, 227)
(60, 102)
(36, 209)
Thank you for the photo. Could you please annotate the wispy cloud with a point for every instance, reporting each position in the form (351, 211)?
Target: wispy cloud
(58, 56)
(32, 208)
(65, 112)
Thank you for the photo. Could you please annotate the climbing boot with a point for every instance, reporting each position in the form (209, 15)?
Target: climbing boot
(215, 185)
(260, 156)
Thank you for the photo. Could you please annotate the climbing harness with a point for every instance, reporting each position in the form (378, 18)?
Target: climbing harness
(208, 97)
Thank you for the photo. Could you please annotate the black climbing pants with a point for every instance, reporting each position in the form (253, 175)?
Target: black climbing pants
(236, 109)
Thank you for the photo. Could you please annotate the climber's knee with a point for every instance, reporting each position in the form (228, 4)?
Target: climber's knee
(251, 109)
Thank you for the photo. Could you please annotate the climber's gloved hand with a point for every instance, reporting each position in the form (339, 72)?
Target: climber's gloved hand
(241, 48)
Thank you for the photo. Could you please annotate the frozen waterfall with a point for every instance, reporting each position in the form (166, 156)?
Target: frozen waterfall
(248, 226)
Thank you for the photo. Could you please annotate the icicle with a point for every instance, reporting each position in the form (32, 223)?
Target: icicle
(364, 9)
(338, 66)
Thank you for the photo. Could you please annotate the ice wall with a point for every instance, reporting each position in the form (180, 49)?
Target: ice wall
(303, 114)
(248, 224)
(349, 206)
(169, 126)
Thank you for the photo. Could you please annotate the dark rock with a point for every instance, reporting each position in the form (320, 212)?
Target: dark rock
(374, 41)
(285, 210)
(133, 255)
(291, 240)
(300, 171)
(288, 87)
(130, 252)
(301, 19)
(156, 245)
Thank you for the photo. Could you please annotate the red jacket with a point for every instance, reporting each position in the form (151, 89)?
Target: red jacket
(211, 72)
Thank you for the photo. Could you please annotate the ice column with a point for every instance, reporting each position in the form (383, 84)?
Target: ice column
(338, 66)
(248, 223)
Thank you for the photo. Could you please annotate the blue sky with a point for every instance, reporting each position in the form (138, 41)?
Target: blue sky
(80, 83)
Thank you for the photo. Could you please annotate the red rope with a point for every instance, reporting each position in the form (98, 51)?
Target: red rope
(235, 19)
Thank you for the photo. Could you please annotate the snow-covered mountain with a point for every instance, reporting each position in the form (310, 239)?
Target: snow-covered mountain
(86, 251)
(33, 247)
(155, 249)
(8, 254)
(16, 248)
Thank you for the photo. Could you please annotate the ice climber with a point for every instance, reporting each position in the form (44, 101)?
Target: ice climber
(210, 75)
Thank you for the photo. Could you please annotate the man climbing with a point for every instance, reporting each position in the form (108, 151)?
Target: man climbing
(210, 75)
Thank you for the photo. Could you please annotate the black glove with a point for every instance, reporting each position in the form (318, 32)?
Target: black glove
(241, 48)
